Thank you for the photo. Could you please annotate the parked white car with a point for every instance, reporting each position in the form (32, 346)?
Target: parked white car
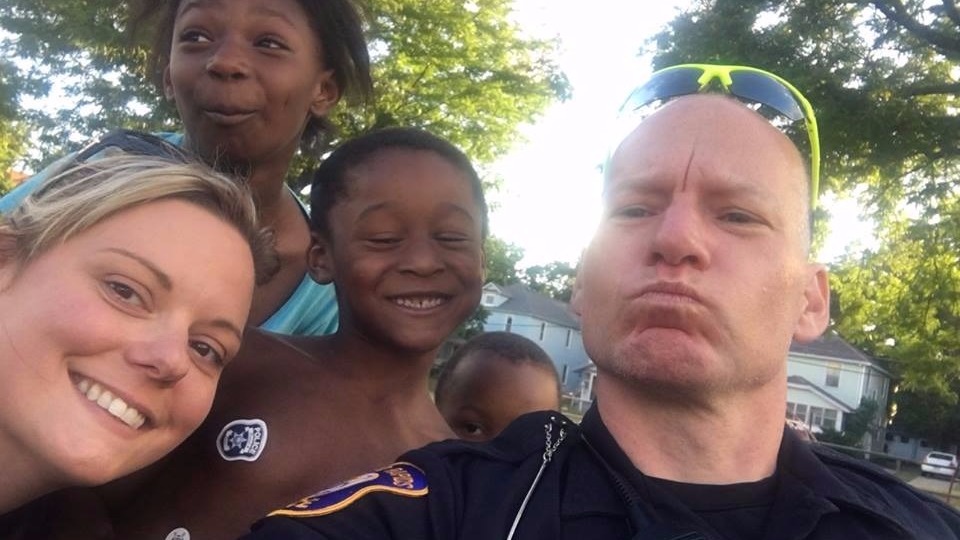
(802, 429)
(938, 463)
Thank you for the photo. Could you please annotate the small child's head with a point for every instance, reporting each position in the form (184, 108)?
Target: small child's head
(491, 380)
(399, 221)
(252, 73)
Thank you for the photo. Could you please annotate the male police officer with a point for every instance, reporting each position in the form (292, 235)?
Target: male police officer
(690, 293)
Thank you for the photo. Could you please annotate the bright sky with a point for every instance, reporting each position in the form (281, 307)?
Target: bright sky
(549, 200)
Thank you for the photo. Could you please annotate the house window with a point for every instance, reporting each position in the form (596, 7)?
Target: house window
(509, 324)
(830, 418)
(801, 412)
(791, 407)
(543, 329)
(816, 416)
(488, 299)
(563, 375)
(833, 376)
(569, 335)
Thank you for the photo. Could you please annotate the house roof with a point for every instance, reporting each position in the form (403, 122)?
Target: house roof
(523, 300)
(589, 366)
(800, 381)
(831, 345)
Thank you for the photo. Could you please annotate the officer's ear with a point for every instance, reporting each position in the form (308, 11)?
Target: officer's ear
(816, 310)
(320, 259)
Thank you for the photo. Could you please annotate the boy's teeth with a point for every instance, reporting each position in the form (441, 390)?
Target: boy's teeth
(112, 404)
(419, 303)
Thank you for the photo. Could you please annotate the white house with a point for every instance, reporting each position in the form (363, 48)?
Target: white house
(549, 323)
(829, 378)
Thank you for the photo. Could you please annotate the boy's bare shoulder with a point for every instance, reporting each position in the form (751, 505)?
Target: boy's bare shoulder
(270, 358)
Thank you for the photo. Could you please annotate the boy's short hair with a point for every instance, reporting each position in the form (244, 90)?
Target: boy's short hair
(330, 186)
(513, 347)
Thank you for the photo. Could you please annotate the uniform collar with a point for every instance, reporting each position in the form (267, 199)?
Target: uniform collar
(841, 481)
(809, 488)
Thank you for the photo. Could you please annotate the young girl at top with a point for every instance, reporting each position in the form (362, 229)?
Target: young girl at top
(254, 81)
(399, 220)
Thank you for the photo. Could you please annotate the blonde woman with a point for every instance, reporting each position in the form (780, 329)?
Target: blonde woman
(125, 286)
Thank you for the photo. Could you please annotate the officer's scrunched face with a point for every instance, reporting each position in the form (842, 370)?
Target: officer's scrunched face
(697, 278)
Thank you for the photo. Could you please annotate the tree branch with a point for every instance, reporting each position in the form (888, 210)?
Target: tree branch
(897, 12)
(929, 90)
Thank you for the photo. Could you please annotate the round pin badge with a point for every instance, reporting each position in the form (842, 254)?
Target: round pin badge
(179, 534)
(242, 440)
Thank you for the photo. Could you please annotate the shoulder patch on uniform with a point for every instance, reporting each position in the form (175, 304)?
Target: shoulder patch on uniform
(242, 440)
(401, 478)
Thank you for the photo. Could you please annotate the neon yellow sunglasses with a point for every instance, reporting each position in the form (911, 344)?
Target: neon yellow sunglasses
(752, 84)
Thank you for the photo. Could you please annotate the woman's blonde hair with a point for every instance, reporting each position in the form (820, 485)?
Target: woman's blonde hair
(87, 193)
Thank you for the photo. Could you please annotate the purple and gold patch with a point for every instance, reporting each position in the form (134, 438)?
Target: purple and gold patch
(401, 478)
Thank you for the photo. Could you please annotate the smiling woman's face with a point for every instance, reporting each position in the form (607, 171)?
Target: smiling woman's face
(111, 344)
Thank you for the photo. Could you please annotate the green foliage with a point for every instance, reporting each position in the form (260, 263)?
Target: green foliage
(472, 326)
(902, 300)
(460, 69)
(84, 45)
(934, 417)
(12, 137)
(501, 261)
(12, 132)
(862, 421)
(553, 279)
(463, 71)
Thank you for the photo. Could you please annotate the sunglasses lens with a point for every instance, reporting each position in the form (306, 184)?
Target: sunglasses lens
(663, 86)
(762, 89)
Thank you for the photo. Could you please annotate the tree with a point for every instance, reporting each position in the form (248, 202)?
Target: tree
(12, 136)
(553, 279)
(12, 132)
(882, 77)
(930, 416)
(902, 300)
(501, 261)
(462, 70)
(856, 424)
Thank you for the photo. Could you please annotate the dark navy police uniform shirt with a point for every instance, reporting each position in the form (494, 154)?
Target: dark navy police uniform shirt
(590, 490)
